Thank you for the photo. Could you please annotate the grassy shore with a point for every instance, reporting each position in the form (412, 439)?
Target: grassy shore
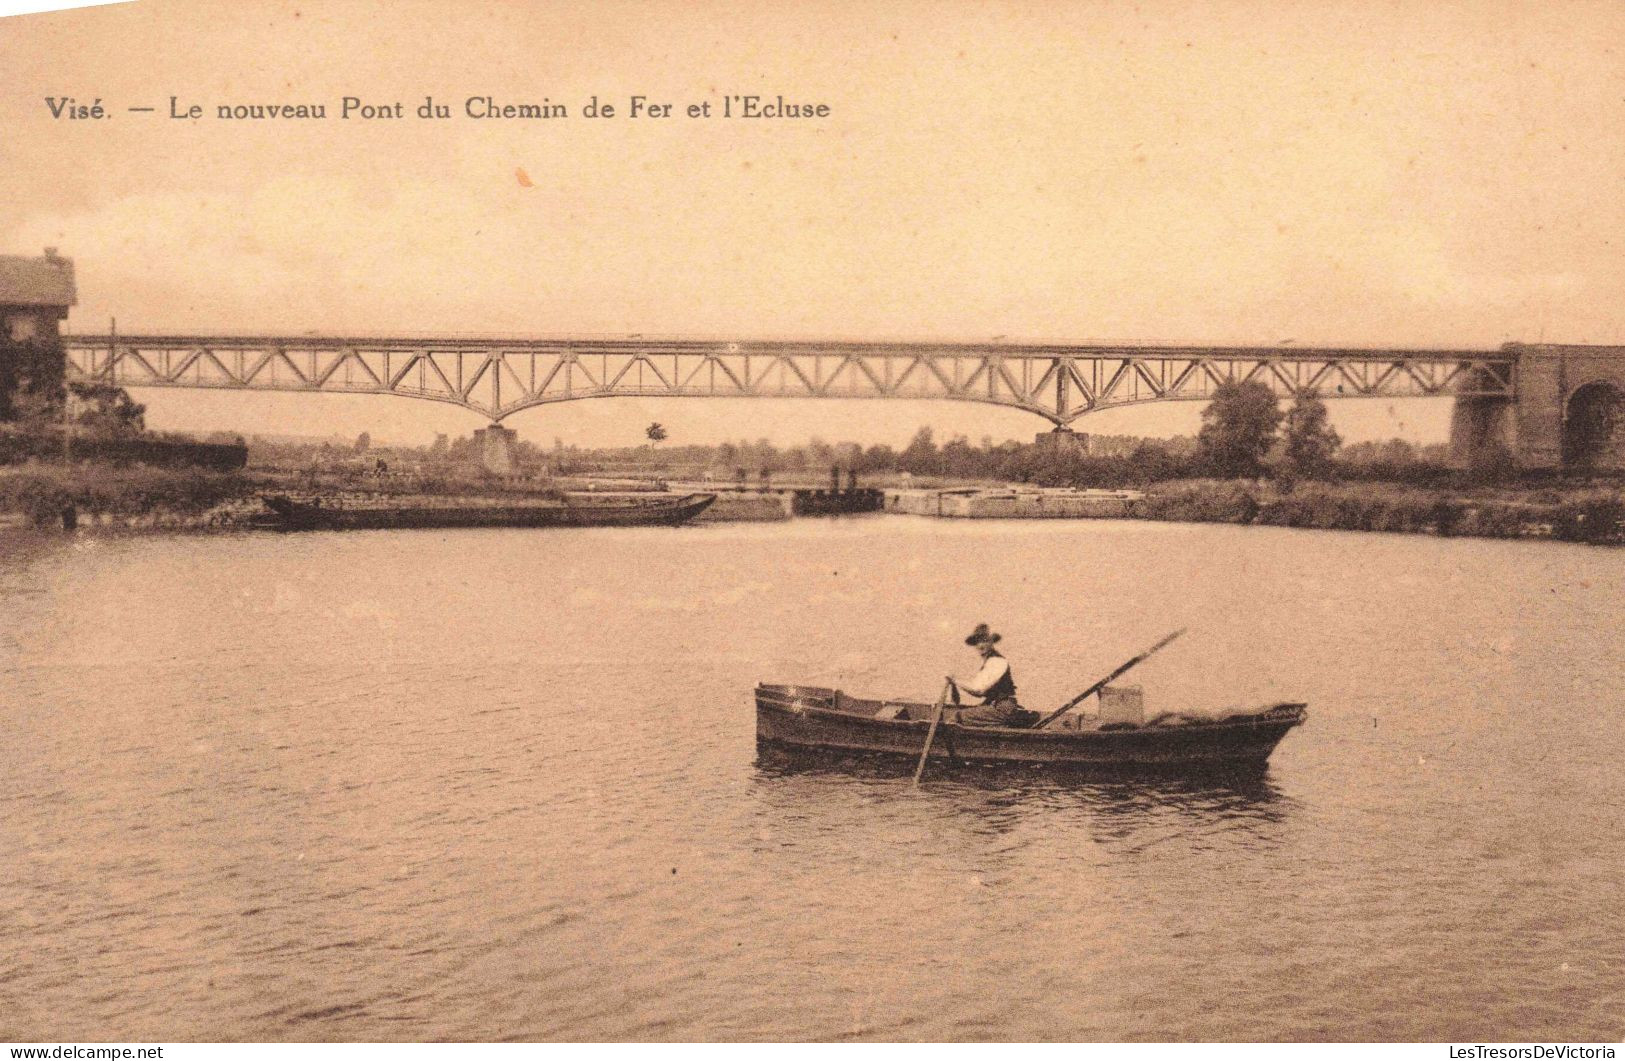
(38, 493)
(1577, 513)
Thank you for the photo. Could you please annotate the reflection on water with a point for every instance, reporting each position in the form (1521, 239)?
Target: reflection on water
(1117, 806)
(493, 784)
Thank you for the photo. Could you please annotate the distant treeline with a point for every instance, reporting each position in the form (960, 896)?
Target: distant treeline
(1083, 460)
(1063, 460)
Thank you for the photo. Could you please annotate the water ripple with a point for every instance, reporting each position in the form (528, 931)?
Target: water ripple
(524, 801)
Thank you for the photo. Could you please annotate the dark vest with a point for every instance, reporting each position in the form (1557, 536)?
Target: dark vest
(1003, 689)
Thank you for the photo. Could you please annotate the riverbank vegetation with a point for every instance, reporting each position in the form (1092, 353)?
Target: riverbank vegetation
(41, 493)
(1565, 512)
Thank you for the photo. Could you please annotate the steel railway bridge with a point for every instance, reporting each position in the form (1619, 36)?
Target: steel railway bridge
(1519, 398)
(498, 378)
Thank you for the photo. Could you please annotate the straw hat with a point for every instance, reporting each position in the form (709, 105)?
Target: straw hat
(982, 636)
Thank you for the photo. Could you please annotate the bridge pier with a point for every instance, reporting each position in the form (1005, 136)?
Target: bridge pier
(496, 446)
(1483, 431)
(1063, 438)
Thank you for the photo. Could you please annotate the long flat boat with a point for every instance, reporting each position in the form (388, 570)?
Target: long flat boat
(817, 718)
(425, 512)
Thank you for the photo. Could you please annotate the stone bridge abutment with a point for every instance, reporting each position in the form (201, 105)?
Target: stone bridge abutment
(1567, 410)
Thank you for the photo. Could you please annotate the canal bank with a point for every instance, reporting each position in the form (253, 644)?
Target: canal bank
(1576, 513)
(1591, 514)
(93, 497)
(1015, 502)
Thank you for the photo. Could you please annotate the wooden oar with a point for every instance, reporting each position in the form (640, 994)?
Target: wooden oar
(1101, 684)
(930, 734)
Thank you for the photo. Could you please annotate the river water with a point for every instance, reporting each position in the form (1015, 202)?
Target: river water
(503, 784)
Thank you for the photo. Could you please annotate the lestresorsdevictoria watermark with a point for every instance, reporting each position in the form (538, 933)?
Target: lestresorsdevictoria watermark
(1533, 1052)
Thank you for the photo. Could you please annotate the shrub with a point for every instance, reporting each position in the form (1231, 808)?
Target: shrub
(1200, 501)
(1599, 520)
(38, 497)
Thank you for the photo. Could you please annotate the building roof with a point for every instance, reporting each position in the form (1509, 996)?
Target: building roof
(44, 281)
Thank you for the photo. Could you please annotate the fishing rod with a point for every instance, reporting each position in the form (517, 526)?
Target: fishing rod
(1101, 684)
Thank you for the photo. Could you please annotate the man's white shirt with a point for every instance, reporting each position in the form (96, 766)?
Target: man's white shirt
(995, 668)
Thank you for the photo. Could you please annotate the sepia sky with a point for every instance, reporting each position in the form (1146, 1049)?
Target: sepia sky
(1314, 172)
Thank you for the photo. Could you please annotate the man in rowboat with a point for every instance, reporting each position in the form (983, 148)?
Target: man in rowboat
(993, 683)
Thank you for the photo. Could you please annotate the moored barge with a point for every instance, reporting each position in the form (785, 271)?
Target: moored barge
(426, 512)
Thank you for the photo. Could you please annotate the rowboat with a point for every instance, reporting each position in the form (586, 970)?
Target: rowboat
(427, 512)
(812, 717)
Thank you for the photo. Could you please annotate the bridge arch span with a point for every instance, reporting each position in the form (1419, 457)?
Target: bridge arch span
(1594, 425)
(533, 403)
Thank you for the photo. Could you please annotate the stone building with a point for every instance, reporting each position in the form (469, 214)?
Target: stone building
(35, 294)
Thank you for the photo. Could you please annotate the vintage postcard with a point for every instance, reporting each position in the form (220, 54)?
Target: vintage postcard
(746, 521)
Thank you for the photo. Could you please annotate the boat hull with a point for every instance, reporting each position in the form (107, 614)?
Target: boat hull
(806, 718)
(299, 515)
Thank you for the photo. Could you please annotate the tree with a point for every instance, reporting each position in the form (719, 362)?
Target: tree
(958, 459)
(363, 442)
(763, 455)
(30, 380)
(1238, 428)
(656, 432)
(1310, 440)
(1397, 451)
(33, 388)
(878, 458)
(1151, 462)
(920, 456)
(106, 411)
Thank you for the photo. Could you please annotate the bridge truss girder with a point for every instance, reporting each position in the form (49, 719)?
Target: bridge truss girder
(500, 377)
